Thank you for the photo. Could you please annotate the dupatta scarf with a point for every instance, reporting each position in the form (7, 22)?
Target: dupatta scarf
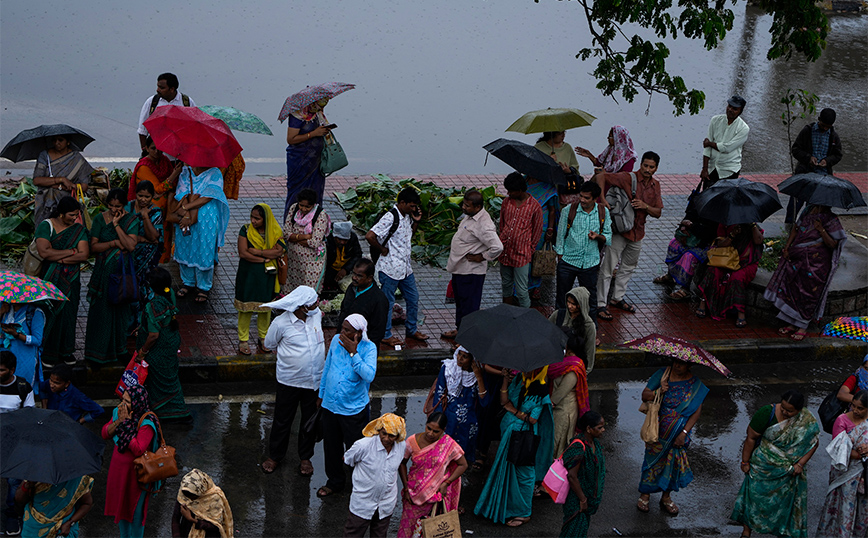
(613, 158)
(273, 234)
(52, 504)
(60, 274)
(679, 403)
(162, 169)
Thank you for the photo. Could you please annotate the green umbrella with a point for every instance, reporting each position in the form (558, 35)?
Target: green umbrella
(551, 120)
(238, 119)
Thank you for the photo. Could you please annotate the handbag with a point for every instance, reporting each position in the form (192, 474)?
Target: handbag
(724, 257)
(545, 261)
(443, 524)
(31, 264)
(332, 157)
(135, 374)
(158, 465)
(123, 283)
(650, 431)
(84, 217)
(643, 407)
(831, 409)
(522, 448)
(556, 483)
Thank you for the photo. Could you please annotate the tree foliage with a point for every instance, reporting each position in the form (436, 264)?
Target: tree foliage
(629, 64)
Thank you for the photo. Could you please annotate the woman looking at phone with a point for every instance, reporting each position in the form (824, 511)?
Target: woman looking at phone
(305, 138)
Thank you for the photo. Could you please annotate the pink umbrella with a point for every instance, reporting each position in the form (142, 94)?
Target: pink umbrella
(677, 348)
(191, 135)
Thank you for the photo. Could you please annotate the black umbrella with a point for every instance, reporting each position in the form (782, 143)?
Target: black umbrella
(823, 189)
(28, 144)
(513, 337)
(528, 160)
(737, 201)
(47, 446)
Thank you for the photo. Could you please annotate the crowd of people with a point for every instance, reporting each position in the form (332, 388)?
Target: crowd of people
(181, 213)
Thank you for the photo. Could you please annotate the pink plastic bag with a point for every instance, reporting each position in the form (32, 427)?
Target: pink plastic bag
(135, 374)
(556, 483)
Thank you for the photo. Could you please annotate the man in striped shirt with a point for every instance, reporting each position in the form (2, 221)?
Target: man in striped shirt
(520, 228)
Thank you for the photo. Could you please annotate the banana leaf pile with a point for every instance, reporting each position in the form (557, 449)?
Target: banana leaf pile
(441, 211)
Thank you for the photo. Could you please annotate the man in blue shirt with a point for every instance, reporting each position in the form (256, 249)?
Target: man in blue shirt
(61, 395)
(350, 367)
(584, 229)
(817, 149)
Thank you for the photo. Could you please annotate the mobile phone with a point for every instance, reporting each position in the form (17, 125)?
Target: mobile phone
(11, 326)
(331, 126)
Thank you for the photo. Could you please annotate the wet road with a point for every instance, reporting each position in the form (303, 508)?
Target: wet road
(228, 438)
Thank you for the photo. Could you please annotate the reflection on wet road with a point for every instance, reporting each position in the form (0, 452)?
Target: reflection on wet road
(228, 437)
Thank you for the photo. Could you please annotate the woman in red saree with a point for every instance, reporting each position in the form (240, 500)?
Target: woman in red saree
(720, 289)
(163, 175)
(801, 283)
(438, 463)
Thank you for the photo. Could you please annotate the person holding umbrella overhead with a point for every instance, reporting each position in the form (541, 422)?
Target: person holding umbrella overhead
(58, 171)
(817, 149)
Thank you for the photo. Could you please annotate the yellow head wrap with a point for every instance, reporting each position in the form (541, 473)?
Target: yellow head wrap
(392, 424)
(529, 378)
(273, 234)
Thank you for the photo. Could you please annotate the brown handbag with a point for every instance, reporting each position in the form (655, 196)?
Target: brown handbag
(158, 465)
(544, 262)
(724, 258)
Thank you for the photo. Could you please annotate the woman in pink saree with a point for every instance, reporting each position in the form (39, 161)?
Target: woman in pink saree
(438, 463)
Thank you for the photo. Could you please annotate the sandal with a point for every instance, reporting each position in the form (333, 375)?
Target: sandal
(269, 465)
(604, 314)
(669, 507)
(305, 468)
(643, 505)
(261, 349)
(680, 294)
(784, 331)
(622, 305)
(663, 279)
(517, 521)
(798, 337)
(202, 297)
(700, 313)
(740, 323)
(324, 491)
(244, 348)
(184, 291)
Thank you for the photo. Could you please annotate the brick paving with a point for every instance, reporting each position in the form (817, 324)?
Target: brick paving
(210, 330)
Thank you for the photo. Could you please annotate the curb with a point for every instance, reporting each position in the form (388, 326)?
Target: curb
(239, 368)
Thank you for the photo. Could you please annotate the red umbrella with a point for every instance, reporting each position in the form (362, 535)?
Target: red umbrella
(194, 137)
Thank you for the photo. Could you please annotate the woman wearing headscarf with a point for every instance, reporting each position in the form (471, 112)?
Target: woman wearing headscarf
(619, 155)
(305, 138)
(305, 231)
(801, 283)
(203, 214)
(460, 387)
(59, 171)
(132, 436)
(569, 393)
(201, 509)
(509, 488)
(576, 319)
(260, 246)
(342, 252)
(438, 463)
(163, 175)
(158, 342)
(375, 476)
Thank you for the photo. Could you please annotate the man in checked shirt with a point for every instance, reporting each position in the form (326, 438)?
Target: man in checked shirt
(520, 228)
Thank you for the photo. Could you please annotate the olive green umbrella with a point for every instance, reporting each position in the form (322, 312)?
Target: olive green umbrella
(551, 120)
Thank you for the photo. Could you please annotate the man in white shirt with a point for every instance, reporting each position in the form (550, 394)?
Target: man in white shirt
(375, 460)
(298, 338)
(721, 153)
(474, 244)
(392, 243)
(167, 94)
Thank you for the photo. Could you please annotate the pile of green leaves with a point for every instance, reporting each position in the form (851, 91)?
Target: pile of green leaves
(441, 211)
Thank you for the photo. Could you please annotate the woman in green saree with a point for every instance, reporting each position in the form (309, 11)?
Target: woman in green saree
(114, 232)
(52, 510)
(63, 245)
(773, 498)
(586, 466)
(158, 341)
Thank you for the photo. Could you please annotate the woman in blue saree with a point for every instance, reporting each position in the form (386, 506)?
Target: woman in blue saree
(305, 139)
(204, 214)
(508, 492)
(665, 467)
(460, 385)
(54, 509)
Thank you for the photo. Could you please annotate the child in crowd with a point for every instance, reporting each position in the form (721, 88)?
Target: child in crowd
(59, 393)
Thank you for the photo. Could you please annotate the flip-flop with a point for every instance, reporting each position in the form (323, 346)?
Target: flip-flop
(244, 348)
(643, 505)
(623, 305)
(201, 297)
(669, 507)
(324, 491)
(784, 331)
(700, 313)
(604, 314)
(184, 291)
(798, 337)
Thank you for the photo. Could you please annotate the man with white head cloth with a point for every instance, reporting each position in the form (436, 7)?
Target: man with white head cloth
(350, 368)
(298, 338)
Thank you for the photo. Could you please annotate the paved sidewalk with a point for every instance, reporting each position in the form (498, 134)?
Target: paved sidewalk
(209, 330)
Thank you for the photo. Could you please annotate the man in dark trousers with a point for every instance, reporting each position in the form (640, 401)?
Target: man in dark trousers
(366, 298)
(818, 149)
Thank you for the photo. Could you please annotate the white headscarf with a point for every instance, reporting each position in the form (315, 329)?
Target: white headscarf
(342, 230)
(358, 323)
(456, 378)
(300, 296)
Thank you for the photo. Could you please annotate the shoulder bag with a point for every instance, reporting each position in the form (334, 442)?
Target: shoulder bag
(620, 209)
(123, 283)
(522, 448)
(556, 483)
(650, 431)
(544, 261)
(158, 465)
(332, 157)
(831, 409)
(724, 258)
(31, 264)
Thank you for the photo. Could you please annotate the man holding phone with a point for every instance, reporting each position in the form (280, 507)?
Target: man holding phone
(392, 240)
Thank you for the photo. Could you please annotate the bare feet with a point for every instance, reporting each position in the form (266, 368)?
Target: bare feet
(269, 465)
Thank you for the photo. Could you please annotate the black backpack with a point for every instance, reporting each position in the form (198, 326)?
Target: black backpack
(184, 99)
(396, 221)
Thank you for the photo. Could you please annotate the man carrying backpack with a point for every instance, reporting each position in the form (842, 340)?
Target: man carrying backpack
(642, 199)
(167, 94)
(390, 240)
(15, 393)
